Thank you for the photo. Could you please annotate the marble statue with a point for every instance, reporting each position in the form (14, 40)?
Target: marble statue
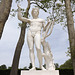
(34, 37)
(46, 47)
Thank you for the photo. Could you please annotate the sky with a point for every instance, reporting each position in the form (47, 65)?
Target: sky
(58, 41)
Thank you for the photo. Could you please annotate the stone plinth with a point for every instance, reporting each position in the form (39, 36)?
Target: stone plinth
(40, 72)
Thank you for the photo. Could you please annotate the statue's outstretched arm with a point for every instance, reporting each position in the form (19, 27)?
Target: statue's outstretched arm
(20, 17)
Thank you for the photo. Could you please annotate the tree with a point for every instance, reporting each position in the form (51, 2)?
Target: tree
(3, 67)
(67, 65)
(25, 68)
(71, 31)
(56, 65)
(14, 69)
(30, 66)
(5, 6)
(9, 67)
(44, 66)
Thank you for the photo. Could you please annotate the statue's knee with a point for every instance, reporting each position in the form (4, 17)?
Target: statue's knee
(38, 50)
(31, 50)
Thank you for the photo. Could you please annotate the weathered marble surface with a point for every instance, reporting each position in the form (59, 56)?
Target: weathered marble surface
(39, 72)
(36, 28)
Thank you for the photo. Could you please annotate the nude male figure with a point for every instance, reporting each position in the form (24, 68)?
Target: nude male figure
(34, 35)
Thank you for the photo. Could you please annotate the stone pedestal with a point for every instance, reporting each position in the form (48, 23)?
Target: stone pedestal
(40, 72)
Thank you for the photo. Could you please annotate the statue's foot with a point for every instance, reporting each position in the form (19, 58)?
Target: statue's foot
(32, 69)
(43, 68)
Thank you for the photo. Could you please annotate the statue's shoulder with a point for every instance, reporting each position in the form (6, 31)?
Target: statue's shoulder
(41, 19)
(38, 19)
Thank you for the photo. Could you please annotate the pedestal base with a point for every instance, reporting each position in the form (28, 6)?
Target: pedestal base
(40, 72)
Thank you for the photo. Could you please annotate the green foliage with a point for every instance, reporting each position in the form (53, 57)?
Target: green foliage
(61, 72)
(2, 67)
(56, 65)
(73, 5)
(45, 3)
(30, 66)
(58, 12)
(68, 52)
(25, 68)
(9, 67)
(67, 65)
(7, 72)
(44, 66)
(48, 5)
(66, 72)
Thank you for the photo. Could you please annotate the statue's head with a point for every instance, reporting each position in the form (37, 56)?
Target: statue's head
(35, 12)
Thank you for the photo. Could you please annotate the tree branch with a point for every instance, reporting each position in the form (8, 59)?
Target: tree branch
(39, 6)
(28, 7)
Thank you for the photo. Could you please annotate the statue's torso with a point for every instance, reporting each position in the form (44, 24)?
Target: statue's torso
(36, 24)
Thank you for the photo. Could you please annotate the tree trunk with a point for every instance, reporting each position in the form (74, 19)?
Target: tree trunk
(74, 54)
(5, 6)
(70, 26)
(14, 69)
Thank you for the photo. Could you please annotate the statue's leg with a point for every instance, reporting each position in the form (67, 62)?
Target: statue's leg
(31, 45)
(37, 40)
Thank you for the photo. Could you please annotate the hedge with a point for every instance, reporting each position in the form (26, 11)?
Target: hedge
(61, 72)
(66, 72)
